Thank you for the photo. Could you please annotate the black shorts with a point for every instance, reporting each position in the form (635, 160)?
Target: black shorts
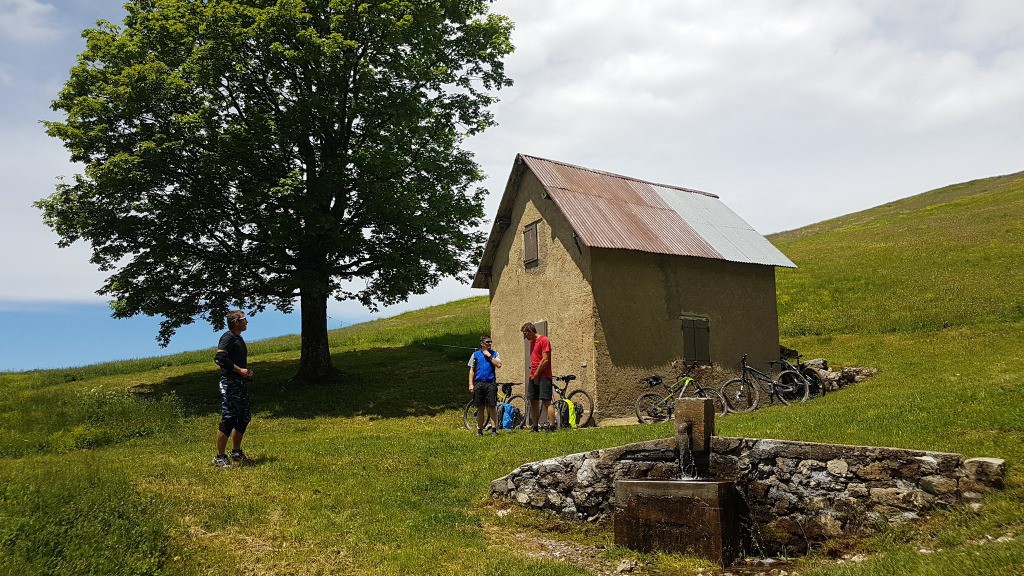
(485, 393)
(539, 389)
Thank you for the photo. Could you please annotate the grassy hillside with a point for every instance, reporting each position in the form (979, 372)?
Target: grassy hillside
(944, 259)
(105, 469)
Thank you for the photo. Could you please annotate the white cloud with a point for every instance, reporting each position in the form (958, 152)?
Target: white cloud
(792, 111)
(26, 21)
(836, 105)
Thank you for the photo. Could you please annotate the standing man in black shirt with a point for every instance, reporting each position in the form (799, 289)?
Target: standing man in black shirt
(235, 414)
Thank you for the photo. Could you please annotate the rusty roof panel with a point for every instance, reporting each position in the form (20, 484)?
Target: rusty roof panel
(608, 223)
(572, 178)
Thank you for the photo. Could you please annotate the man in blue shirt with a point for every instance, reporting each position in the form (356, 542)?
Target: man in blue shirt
(482, 383)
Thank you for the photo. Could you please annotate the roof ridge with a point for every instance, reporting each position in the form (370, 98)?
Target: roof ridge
(622, 176)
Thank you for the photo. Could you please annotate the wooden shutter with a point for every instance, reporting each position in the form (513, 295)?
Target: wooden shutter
(530, 253)
(697, 340)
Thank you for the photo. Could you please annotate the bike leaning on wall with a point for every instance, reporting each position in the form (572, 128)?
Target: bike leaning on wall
(658, 406)
(583, 404)
(743, 394)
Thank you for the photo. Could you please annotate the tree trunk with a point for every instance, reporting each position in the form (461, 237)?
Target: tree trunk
(315, 358)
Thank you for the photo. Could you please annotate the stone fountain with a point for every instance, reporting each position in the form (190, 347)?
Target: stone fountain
(693, 514)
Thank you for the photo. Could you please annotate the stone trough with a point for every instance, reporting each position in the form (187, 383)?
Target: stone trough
(797, 494)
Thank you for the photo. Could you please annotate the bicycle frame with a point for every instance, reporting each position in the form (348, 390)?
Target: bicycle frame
(561, 391)
(754, 376)
(682, 383)
(505, 391)
(765, 382)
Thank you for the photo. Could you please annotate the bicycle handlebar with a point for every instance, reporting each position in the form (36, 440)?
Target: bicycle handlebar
(653, 380)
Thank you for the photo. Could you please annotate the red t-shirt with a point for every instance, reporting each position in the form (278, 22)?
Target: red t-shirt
(537, 349)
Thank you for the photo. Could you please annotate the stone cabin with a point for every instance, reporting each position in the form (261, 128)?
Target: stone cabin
(625, 276)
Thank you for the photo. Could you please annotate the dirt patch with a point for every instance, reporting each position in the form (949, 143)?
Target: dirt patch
(588, 557)
(593, 557)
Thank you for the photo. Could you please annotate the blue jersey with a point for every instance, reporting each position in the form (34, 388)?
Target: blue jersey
(483, 370)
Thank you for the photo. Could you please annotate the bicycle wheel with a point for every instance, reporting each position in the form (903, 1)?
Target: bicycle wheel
(651, 407)
(469, 417)
(816, 385)
(740, 396)
(584, 407)
(793, 387)
(716, 397)
(518, 402)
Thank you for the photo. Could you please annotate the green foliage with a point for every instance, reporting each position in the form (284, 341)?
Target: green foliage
(243, 154)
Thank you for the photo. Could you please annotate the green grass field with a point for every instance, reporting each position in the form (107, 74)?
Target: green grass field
(106, 469)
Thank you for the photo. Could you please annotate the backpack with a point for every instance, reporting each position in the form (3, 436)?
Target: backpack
(568, 414)
(517, 418)
(506, 415)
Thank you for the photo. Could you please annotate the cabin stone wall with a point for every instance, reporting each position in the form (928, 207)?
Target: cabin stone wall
(640, 300)
(555, 289)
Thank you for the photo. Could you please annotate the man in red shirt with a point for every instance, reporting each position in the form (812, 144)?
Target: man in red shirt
(539, 388)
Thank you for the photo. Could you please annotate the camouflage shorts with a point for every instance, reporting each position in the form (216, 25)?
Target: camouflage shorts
(234, 403)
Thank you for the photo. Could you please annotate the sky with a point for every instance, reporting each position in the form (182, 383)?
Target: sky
(792, 112)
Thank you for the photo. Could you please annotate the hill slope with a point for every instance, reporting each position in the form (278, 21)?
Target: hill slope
(946, 258)
(105, 469)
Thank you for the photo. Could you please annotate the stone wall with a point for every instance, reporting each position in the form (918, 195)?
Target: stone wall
(799, 493)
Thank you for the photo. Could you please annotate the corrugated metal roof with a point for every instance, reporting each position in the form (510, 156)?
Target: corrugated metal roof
(613, 211)
(723, 229)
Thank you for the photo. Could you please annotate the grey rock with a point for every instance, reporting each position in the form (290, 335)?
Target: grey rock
(807, 466)
(938, 485)
(987, 471)
(588, 473)
(838, 467)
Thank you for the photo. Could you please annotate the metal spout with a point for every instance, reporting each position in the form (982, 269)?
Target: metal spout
(695, 423)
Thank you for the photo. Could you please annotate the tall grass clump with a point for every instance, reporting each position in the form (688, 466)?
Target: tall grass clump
(59, 421)
(67, 517)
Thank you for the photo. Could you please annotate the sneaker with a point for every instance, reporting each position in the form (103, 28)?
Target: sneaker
(221, 461)
(479, 432)
(534, 429)
(494, 431)
(239, 457)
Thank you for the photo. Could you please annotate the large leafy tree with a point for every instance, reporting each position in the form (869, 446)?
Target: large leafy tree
(251, 153)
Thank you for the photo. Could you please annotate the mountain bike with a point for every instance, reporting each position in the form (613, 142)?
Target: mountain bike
(743, 394)
(658, 406)
(808, 374)
(580, 399)
(505, 395)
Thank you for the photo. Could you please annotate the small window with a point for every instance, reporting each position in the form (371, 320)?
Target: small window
(696, 339)
(530, 254)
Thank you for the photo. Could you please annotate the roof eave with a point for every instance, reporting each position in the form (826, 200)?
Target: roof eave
(502, 222)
